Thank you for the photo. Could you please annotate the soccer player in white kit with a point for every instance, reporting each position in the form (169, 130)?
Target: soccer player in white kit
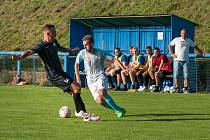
(96, 79)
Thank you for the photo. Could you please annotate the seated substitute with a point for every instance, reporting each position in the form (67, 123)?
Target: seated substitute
(163, 67)
(143, 75)
(136, 63)
(114, 71)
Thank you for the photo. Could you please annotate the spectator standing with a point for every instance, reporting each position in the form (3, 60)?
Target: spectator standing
(182, 45)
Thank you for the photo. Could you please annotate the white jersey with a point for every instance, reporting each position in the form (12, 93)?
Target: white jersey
(93, 63)
(182, 48)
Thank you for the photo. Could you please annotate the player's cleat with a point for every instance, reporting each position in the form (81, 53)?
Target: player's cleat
(87, 116)
(157, 89)
(92, 118)
(141, 88)
(80, 114)
(185, 90)
(178, 90)
(120, 114)
(124, 89)
(117, 88)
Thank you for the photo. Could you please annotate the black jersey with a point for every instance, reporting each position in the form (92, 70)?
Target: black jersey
(48, 52)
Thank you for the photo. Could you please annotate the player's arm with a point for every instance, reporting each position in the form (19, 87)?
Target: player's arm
(198, 49)
(115, 60)
(63, 49)
(79, 58)
(22, 56)
(161, 65)
(77, 75)
(170, 47)
(171, 50)
(119, 63)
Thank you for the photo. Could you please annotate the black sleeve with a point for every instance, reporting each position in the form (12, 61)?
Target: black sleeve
(37, 48)
(58, 46)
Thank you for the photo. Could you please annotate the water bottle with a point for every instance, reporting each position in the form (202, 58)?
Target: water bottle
(167, 83)
(164, 84)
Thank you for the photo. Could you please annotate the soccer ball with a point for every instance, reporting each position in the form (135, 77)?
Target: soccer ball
(152, 88)
(64, 112)
(172, 89)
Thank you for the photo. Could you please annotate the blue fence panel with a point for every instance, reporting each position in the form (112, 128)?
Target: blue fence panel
(155, 36)
(147, 38)
(124, 40)
(104, 38)
(134, 37)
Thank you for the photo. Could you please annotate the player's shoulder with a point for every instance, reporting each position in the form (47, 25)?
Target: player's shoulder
(38, 46)
(40, 43)
(177, 38)
(82, 52)
(189, 40)
(123, 55)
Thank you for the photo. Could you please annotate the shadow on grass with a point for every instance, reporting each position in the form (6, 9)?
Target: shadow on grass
(180, 114)
(198, 118)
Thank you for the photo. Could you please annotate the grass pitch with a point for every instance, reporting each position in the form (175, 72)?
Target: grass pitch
(31, 112)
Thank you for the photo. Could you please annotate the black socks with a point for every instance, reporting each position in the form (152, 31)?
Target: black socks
(79, 105)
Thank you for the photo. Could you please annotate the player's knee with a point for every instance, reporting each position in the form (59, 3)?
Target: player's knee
(100, 100)
(75, 87)
(102, 93)
(157, 74)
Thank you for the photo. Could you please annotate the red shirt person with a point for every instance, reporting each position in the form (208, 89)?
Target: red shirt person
(162, 65)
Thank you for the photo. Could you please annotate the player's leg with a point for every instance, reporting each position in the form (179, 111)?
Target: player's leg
(124, 80)
(177, 71)
(146, 78)
(110, 80)
(79, 104)
(118, 79)
(139, 77)
(132, 74)
(152, 75)
(99, 92)
(157, 80)
(65, 82)
(105, 100)
(186, 80)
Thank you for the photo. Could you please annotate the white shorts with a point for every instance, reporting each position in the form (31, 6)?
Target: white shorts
(96, 86)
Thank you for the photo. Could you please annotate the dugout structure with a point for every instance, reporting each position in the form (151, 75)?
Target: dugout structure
(126, 31)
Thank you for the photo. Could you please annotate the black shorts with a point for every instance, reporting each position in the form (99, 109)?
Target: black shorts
(62, 81)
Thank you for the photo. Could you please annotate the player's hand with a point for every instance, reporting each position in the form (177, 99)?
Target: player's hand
(16, 57)
(79, 82)
(158, 72)
(108, 69)
(125, 71)
(174, 55)
(138, 73)
(75, 50)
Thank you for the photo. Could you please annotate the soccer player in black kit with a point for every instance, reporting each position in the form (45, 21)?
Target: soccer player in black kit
(47, 49)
